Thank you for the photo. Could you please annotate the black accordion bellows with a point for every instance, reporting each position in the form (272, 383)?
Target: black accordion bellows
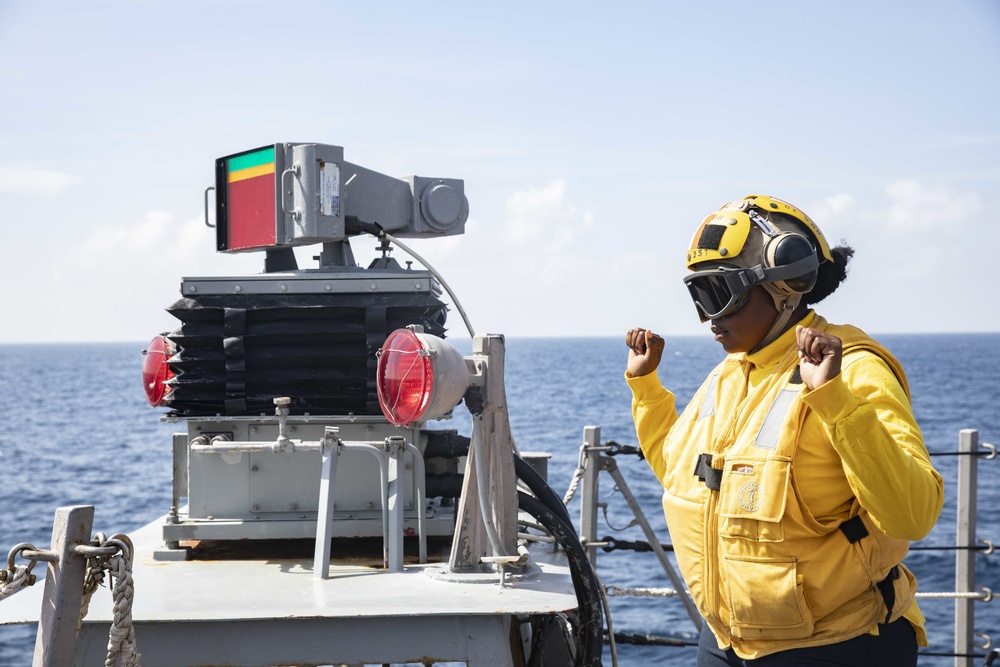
(236, 352)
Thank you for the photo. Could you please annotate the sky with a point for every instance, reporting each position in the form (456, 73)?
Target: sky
(592, 139)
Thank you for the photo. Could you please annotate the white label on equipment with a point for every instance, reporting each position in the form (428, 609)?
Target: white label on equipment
(329, 188)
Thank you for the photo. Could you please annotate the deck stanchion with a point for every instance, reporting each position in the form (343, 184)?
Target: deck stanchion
(589, 492)
(330, 457)
(60, 615)
(420, 484)
(394, 546)
(611, 466)
(965, 534)
(179, 489)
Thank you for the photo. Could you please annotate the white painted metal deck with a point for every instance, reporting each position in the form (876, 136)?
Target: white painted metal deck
(273, 612)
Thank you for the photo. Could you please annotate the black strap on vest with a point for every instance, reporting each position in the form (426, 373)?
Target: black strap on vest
(707, 474)
(854, 530)
(888, 591)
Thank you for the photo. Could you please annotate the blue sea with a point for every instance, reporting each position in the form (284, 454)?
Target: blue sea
(76, 429)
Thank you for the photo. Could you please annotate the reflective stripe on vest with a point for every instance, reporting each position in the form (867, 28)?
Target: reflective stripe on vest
(708, 404)
(770, 430)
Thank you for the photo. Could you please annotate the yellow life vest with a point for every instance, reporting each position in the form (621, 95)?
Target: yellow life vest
(765, 573)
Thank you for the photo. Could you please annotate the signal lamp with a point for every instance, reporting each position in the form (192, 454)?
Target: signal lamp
(156, 371)
(419, 377)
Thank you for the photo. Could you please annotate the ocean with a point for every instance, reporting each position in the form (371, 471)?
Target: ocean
(76, 429)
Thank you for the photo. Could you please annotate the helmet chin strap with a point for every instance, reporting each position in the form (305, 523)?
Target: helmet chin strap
(786, 305)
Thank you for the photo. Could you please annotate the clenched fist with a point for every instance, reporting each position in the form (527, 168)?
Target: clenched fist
(820, 355)
(645, 349)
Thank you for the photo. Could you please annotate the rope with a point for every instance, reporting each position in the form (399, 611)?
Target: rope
(984, 594)
(581, 467)
(121, 639)
(611, 448)
(91, 580)
(623, 591)
(20, 578)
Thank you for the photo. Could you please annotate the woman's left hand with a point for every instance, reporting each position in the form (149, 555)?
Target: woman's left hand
(819, 356)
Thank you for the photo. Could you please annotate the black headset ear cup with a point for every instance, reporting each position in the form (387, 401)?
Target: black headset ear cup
(787, 248)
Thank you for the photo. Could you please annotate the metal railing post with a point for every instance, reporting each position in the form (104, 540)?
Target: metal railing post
(678, 583)
(420, 484)
(60, 615)
(965, 535)
(330, 457)
(589, 490)
(394, 549)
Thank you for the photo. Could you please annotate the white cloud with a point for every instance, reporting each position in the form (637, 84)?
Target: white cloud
(132, 269)
(545, 216)
(912, 242)
(26, 180)
(154, 241)
(448, 245)
(528, 269)
(834, 215)
(541, 237)
(912, 207)
(840, 203)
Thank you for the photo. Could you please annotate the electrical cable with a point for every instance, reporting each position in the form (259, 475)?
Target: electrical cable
(531, 477)
(440, 279)
(585, 584)
(353, 226)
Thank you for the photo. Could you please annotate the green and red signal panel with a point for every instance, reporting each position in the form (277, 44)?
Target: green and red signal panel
(247, 200)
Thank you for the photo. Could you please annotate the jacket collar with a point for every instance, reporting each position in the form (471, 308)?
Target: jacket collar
(778, 350)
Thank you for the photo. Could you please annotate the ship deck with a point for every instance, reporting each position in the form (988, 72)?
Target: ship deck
(266, 608)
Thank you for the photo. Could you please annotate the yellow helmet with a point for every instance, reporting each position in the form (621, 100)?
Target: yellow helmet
(757, 240)
(732, 224)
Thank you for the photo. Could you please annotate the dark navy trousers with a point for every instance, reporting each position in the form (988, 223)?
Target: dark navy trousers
(895, 646)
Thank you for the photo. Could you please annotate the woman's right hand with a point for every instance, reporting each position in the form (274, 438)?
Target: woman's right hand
(645, 349)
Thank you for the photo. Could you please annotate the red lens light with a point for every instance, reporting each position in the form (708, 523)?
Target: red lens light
(156, 371)
(405, 378)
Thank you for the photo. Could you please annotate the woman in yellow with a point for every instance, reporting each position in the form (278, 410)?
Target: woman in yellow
(796, 477)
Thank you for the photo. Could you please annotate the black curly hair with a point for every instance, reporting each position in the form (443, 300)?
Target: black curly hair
(830, 275)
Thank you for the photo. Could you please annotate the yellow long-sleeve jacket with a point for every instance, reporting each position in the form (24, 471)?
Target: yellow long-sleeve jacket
(791, 510)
